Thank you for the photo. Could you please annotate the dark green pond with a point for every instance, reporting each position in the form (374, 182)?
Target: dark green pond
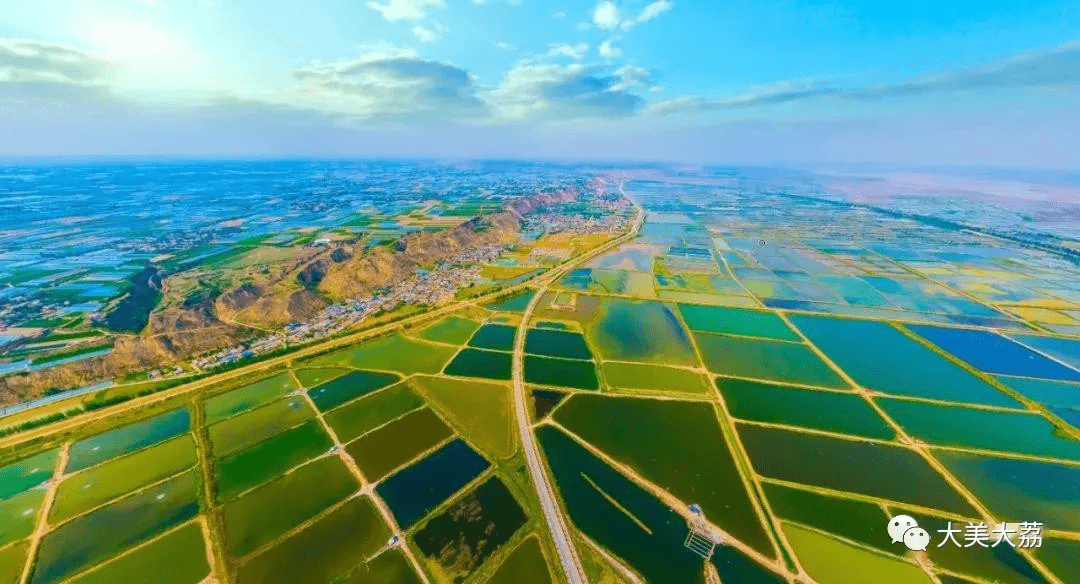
(837, 412)
(677, 445)
(587, 486)
(338, 391)
(467, 533)
(1021, 490)
(479, 363)
(497, 337)
(732, 566)
(855, 520)
(554, 343)
(113, 443)
(416, 490)
(560, 372)
(545, 400)
(877, 470)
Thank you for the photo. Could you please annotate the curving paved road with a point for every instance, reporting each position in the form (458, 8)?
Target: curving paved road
(557, 523)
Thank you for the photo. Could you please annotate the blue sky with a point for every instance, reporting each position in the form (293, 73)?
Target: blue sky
(740, 81)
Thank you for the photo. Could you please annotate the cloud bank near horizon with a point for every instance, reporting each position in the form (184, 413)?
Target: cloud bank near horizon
(567, 100)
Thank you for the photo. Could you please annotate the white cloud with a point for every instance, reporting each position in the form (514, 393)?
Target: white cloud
(768, 94)
(653, 10)
(632, 76)
(504, 46)
(576, 52)
(583, 26)
(395, 10)
(559, 14)
(27, 60)
(606, 15)
(425, 35)
(546, 91)
(607, 51)
(391, 83)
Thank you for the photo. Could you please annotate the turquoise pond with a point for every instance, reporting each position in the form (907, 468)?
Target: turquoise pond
(1023, 433)
(878, 356)
(26, 473)
(1055, 394)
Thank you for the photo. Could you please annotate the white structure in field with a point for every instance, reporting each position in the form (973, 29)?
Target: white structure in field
(701, 539)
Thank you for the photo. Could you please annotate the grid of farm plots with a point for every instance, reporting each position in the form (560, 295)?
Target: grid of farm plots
(790, 388)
